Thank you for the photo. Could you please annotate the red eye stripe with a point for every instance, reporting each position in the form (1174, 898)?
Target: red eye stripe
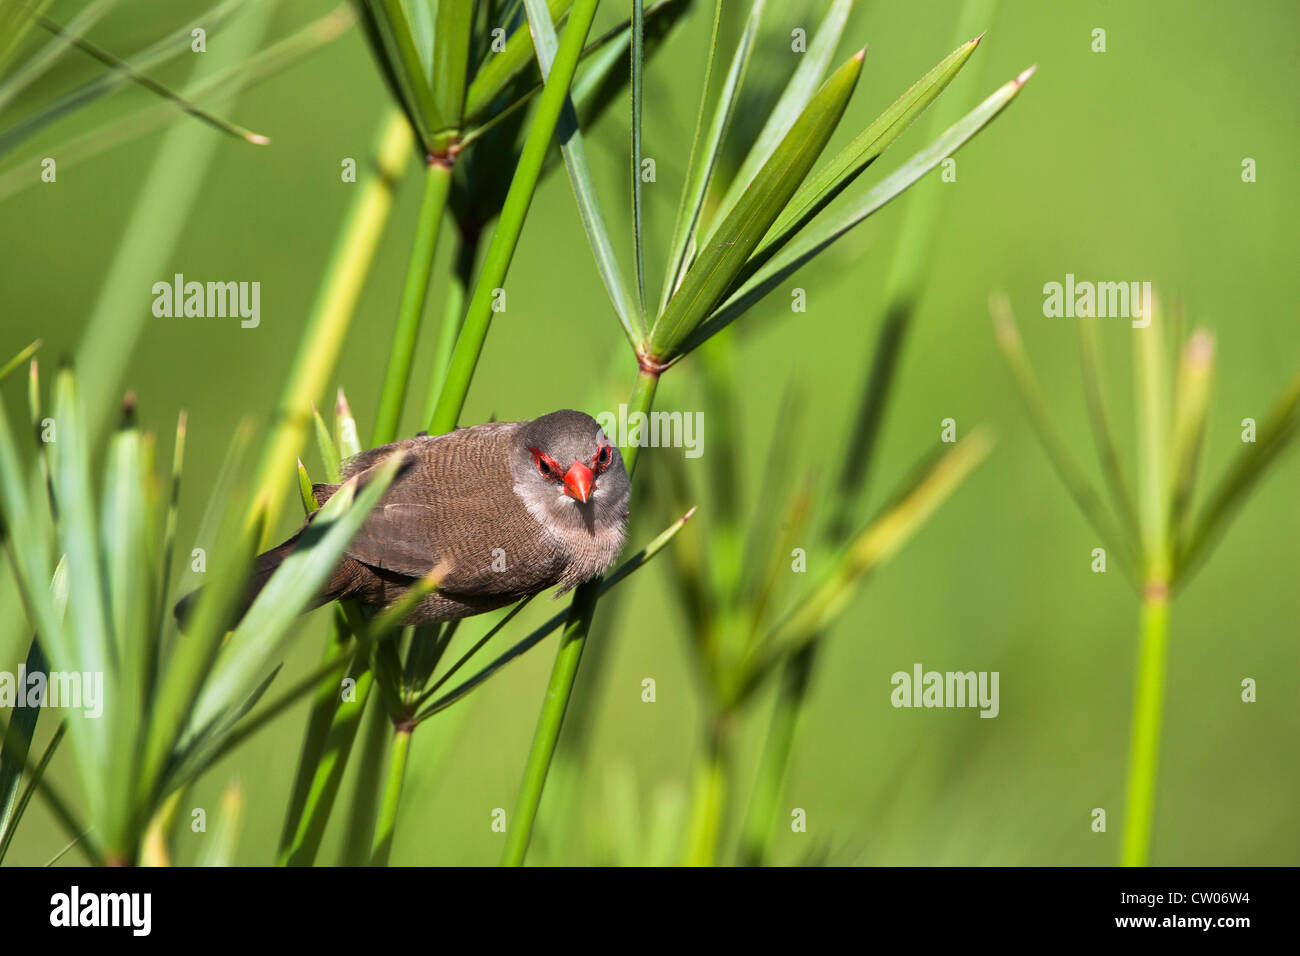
(546, 465)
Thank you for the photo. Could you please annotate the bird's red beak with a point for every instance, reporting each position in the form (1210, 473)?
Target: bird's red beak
(577, 483)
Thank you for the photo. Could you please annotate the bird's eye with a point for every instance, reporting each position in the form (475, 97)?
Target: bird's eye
(544, 468)
(602, 456)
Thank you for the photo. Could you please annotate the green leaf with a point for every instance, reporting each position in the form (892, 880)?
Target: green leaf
(817, 239)
(706, 148)
(9, 826)
(1191, 404)
(44, 59)
(168, 47)
(584, 188)
(258, 639)
(725, 253)
(1274, 436)
(638, 80)
(14, 747)
(798, 91)
(329, 454)
(1151, 378)
(394, 44)
(452, 34)
(86, 621)
(153, 86)
(499, 70)
(218, 847)
(829, 181)
(129, 561)
(18, 359)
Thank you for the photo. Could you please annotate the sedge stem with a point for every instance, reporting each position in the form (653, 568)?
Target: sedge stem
(1148, 705)
(520, 829)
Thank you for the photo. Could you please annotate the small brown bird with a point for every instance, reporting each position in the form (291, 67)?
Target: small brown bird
(505, 510)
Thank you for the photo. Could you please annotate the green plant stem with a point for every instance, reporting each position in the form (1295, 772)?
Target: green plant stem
(709, 797)
(304, 830)
(756, 837)
(453, 309)
(560, 688)
(1148, 706)
(366, 786)
(511, 222)
(398, 752)
(331, 316)
(437, 184)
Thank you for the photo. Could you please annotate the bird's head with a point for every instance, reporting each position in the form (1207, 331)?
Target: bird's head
(567, 468)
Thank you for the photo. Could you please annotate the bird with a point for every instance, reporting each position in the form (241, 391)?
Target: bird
(496, 513)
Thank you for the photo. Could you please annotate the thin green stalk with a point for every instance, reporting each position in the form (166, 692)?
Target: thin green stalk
(304, 829)
(400, 749)
(345, 274)
(511, 222)
(365, 787)
(756, 837)
(558, 691)
(709, 798)
(453, 309)
(437, 184)
(1148, 704)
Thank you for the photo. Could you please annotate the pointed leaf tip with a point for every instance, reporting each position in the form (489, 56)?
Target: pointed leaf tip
(1023, 78)
(860, 55)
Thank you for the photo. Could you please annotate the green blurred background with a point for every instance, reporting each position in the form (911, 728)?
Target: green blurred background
(1117, 166)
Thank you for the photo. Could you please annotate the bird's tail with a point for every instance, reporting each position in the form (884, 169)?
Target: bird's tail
(264, 566)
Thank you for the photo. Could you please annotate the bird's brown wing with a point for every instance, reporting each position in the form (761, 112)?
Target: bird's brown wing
(454, 507)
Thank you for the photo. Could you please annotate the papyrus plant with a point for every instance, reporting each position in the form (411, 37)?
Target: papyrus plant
(722, 260)
(92, 560)
(1153, 526)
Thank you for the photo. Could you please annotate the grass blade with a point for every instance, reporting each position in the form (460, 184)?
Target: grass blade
(829, 181)
(499, 70)
(183, 104)
(1277, 432)
(798, 91)
(452, 33)
(9, 822)
(18, 359)
(638, 80)
(14, 747)
(1191, 403)
(705, 152)
(155, 54)
(393, 43)
(818, 239)
(724, 254)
